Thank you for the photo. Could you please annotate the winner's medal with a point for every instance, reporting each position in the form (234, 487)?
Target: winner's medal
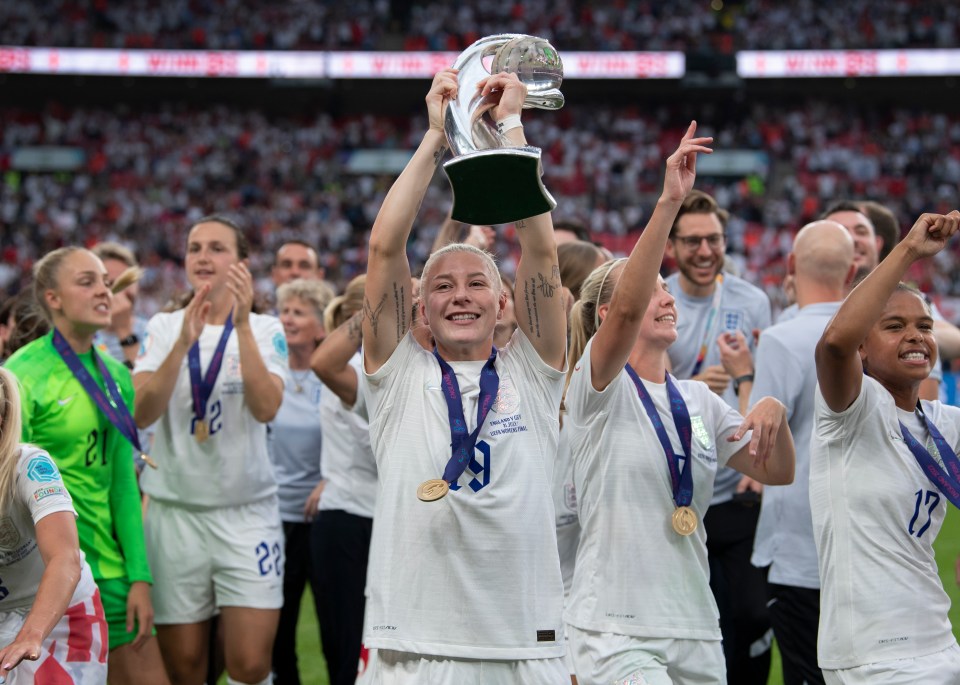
(461, 442)
(201, 431)
(432, 490)
(684, 520)
(201, 385)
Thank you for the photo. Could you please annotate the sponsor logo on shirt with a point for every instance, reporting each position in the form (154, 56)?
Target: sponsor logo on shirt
(43, 493)
(42, 470)
(9, 535)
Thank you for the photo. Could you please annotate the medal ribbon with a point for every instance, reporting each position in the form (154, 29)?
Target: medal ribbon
(113, 408)
(201, 388)
(948, 482)
(462, 442)
(708, 331)
(682, 479)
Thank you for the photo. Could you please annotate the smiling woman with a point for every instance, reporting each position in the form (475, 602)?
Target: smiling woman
(882, 466)
(76, 407)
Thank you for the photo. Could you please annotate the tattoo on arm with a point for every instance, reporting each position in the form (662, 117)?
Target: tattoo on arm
(401, 311)
(546, 286)
(354, 327)
(533, 312)
(438, 155)
(373, 315)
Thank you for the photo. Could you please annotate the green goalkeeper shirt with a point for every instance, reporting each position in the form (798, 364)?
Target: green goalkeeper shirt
(93, 456)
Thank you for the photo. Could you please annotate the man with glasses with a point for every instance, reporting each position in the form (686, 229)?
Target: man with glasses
(717, 316)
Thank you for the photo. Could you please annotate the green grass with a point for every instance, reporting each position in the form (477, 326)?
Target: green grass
(313, 669)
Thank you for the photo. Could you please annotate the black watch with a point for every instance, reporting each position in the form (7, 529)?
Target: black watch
(130, 340)
(746, 378)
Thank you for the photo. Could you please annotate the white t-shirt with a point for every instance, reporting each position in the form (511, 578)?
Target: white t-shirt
(38, 492)
(349, 466)
(474, 575)
(565, 502)
(875, 517)
(232, 466)
(635, 575)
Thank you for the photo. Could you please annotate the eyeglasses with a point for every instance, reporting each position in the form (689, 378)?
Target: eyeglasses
(692, 242)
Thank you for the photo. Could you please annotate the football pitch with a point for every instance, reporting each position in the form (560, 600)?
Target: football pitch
(313, 669)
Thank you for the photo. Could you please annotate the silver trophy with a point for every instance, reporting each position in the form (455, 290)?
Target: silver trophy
(494, 182)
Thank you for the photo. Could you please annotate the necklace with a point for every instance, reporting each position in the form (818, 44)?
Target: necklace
(298, 381)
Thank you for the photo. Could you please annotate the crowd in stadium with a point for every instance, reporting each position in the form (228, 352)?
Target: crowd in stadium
(146, 175)
(383, 25)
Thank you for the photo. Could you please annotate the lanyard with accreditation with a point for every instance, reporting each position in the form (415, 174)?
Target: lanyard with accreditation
(113, 408)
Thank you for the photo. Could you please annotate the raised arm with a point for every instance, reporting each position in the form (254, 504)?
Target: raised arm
(331, 360)
(839, 369)
(619, 329)
(387, 296)
(540, 310)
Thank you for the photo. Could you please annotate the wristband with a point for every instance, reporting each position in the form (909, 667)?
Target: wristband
(509, 123)
(130, 340)
(746, 378)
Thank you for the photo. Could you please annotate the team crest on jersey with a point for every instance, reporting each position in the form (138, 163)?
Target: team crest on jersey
(42, 470)
(700, 431)
(507, 397)
(231, 366)
(9, 535)
(732, 319)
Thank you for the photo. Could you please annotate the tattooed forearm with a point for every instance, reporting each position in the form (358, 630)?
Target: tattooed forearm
(438, 155)
(549, 285)
(373, 315)
(401, 310)
(533, 313)
(354, 327)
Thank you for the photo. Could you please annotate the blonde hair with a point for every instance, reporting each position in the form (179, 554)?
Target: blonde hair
(10, 426)
(597, 289)
(315, 293)
(344, 306)
(489, 265)
(46, 274)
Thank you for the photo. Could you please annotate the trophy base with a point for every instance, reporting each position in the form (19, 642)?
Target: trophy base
(498, 186)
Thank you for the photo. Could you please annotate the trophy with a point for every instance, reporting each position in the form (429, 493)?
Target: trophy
(492, 181)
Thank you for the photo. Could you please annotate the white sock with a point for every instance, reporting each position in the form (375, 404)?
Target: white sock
(266, 681)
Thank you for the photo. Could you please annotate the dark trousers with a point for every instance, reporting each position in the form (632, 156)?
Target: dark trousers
(341, 549)
(740, 589)
(299, 569)
(795, 615)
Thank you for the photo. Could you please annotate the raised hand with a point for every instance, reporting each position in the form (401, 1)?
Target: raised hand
(240, 284)
(504, 95)
(682, 165)
(195, 316)
(930, 233)
(444, 89)
(735, 353)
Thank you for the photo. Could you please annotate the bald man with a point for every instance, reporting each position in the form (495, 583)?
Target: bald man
(296, 259)
(823, 263)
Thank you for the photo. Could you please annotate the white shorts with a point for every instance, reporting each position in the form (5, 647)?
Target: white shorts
(940, 668)
(405, 668)
(75, 652)
(613, 659)
(206, 559)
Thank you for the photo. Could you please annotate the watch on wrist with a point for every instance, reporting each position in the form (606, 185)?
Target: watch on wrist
(130, 340)
(745, 378)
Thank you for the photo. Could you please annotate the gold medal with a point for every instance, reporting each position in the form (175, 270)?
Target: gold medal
(432, 490)
(684, 520)
(201, 431)
(148, 461)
